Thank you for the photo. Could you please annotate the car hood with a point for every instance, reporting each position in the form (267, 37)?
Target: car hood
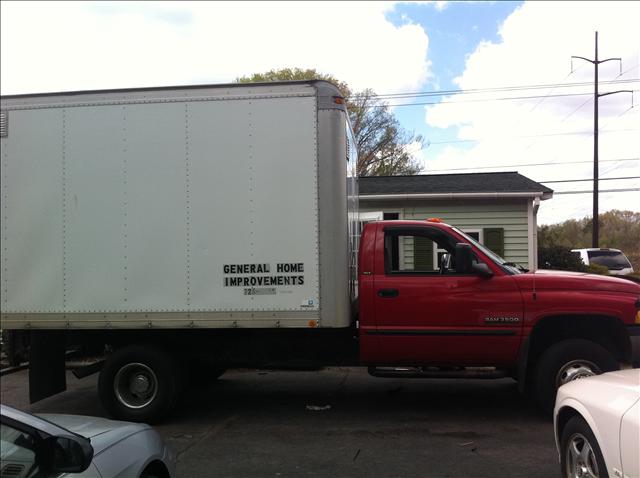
(617, 390)
(102, 432)
(565, 280)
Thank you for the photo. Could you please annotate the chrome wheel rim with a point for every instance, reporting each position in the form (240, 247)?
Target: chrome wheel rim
(575, 370)
(581, 459)
(135, 385)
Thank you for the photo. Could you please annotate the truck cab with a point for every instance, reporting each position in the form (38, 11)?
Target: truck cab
(462, 308)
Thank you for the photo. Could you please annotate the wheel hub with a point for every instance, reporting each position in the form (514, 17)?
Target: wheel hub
(135, 385)
(581, 459)
(575, 370)
(139, 384)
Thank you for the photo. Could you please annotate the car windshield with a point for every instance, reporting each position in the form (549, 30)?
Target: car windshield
(510, 267)
(614, 260)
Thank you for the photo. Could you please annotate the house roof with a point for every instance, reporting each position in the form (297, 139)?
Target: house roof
(504, 184)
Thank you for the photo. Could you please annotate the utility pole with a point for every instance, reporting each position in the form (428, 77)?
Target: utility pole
(596, 232)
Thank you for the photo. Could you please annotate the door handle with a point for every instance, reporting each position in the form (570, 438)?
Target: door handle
(388, 293)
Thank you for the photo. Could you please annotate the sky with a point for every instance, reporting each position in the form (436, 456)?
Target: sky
(521, 103)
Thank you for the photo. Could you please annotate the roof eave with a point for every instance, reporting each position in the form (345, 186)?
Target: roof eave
(484, 195)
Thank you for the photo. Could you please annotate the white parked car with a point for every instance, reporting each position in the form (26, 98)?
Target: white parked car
(597, 426)
(76, 446)
(612, 259)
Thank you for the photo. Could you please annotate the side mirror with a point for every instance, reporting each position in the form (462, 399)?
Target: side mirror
(67, 454)
(465, 263)
(481, 269)
(445, 262)
(464, 258)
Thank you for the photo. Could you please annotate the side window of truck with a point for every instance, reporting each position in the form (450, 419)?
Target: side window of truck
(412, 251)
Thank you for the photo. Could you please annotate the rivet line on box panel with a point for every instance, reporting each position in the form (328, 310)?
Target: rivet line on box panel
(125, 204)
(64, 208)
(5, 222)
(187, 203)
(251, 187)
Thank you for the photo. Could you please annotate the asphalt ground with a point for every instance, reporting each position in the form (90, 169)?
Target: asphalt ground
(337, 422)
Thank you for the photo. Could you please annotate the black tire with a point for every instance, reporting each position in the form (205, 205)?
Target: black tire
(561, 357)
(578, 434)
(160, 369)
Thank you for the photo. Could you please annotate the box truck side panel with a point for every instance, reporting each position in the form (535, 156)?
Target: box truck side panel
(32, 178)
(163, 208)
(254, 205)
(93, 222)
(153, 240)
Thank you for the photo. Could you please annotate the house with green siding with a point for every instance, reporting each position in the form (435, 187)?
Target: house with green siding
(497, 209)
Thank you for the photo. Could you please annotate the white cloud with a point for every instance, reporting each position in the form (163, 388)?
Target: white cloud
(58, 46)
(537, 41)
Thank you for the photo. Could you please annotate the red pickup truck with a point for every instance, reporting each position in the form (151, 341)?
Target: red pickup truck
(477, 315)
(432, 302)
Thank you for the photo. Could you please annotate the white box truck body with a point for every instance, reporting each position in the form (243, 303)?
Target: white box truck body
(177, 228)
(202, 207)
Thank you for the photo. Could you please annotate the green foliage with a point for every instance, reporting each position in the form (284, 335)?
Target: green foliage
(597, 269)
(294, 74)
(618, 230)
(382, 142)
(555, 256)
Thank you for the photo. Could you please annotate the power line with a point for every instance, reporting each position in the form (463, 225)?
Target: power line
(418, 94)
(576, 110)
(552, 90)
(482, 100)
(588, 179)
(531, 164)
(611, 120)
(589, 191)
(569, 133)
(625, 71)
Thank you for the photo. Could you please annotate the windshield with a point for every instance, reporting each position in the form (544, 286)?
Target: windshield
(507, 266)
(614, 260)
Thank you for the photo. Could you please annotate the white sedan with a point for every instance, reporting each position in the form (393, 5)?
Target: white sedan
(597, 426)
(50, 445)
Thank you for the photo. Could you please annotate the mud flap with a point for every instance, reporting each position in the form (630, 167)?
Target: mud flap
(47, 374)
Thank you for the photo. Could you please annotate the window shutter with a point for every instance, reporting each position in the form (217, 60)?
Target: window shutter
(494, 239)
(422, 254)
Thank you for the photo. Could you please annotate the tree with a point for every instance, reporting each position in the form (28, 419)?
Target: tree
(381, 140)
(618, 229)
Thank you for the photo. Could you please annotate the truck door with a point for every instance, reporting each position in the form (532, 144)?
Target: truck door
(431, 315)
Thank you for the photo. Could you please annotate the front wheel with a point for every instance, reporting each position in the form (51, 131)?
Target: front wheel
(139, 383)
(566, 361)
(580, 453)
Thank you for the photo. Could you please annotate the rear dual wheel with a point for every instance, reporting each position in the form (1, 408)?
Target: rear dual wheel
(139, 383)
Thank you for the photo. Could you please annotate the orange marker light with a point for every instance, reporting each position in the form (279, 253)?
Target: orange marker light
(313, 323)
(434, 219)
(338, 100)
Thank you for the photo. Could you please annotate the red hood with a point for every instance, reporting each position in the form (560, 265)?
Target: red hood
(547, 279)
